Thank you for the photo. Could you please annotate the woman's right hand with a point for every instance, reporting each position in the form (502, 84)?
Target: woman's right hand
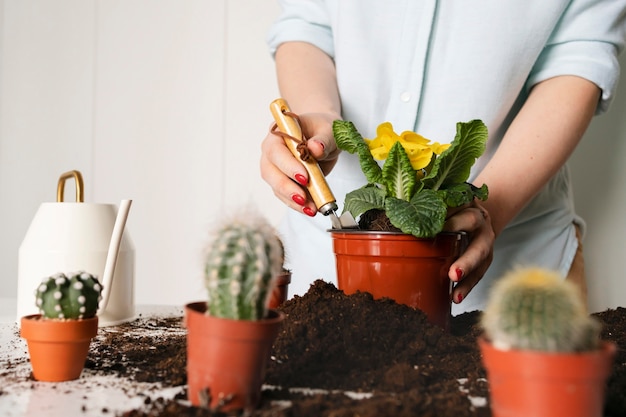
(286, 174)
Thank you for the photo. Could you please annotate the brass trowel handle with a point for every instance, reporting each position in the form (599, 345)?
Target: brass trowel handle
(79, 185)
(317, 186)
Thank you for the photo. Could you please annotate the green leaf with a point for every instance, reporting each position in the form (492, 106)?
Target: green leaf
(453, 166)
(481, 193)
(346, 136)
(399, 176)
(423, 216)
(351, 141)
(461, 194)
(363, 199)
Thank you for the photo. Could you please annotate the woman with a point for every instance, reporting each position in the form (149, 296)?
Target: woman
(535, 72)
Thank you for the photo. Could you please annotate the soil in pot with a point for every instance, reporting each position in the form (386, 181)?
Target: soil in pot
(331, 341)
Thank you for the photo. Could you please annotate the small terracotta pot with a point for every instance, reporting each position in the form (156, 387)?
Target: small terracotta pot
(280, 293)
(58, 349)
(226, 359)
(402, 267)
(526, 383)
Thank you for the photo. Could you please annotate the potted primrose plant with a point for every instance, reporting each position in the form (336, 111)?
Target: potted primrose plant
(399, 250)
(59, 337)
(230, 336)
(541, 349)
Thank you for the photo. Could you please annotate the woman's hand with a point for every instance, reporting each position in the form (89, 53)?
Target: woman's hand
(470, 267)
(286, 174)
(536, 145)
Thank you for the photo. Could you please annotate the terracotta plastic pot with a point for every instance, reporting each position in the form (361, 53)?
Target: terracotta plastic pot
(58, 349)
(402, 267)
(527, 383)
(280, 292)
(226, 359)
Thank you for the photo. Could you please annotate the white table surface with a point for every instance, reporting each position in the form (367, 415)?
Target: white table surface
(90, 395)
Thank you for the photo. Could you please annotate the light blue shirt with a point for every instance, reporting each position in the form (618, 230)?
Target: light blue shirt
(426, 65)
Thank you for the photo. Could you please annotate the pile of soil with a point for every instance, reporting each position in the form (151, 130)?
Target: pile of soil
(360, 356)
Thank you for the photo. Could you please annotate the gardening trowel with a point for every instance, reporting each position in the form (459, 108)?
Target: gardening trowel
(318, 188)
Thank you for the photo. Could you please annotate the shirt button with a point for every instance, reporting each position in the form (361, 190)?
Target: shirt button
(405, 97)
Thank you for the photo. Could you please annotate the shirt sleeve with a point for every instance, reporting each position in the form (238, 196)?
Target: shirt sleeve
(303, 21)
(586, 43)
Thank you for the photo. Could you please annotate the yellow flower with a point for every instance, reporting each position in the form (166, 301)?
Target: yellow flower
(382, 143)
(419, 149)
(439, 148)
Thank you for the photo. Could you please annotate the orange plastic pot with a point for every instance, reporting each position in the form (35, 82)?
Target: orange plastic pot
(226, 359)
(280, 292)
(525, 383)
(402, 267)
(57, 349)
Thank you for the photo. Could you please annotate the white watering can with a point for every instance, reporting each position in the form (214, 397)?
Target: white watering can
(77, 236)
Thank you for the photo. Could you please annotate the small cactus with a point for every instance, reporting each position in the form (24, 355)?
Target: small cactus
(72, 296)
(536, 309)
(241, 263)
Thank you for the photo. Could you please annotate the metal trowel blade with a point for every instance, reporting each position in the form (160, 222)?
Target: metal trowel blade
(334, 219)
(345, 221)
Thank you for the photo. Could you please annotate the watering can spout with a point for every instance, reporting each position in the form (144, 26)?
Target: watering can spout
(114, 247)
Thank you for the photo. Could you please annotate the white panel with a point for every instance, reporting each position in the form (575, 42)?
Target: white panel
(45, 111)
(250, 88)
(2, 25)
(599, 175)
(159, 134)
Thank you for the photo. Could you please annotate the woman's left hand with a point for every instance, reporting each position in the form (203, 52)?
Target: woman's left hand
(470, 267)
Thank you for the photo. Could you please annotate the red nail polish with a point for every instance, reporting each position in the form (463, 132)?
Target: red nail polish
(459, 297)
(308, 212)
(301, 179)
(298, 199)
(459, 273)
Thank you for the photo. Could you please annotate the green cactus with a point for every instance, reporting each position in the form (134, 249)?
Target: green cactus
(536, 309)
(241, 263)
(73, 296)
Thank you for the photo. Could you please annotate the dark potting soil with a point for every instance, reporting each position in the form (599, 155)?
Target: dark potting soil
(360, 356)
(376, 219)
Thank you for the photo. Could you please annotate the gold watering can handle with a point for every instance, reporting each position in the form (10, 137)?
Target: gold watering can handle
(79, 185)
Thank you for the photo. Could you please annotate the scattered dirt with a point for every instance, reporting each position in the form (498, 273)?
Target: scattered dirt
(140, 351)
(362, 357)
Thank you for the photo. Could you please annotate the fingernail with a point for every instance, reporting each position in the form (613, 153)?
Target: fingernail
(298, 199)
(301, 179)
(459, 297)
(308, 212)
(459, 273)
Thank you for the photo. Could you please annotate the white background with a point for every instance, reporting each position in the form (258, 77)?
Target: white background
(165, 102)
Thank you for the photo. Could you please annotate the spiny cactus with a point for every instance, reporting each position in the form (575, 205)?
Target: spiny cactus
(536, 309)
(72, 296)
(241, 263)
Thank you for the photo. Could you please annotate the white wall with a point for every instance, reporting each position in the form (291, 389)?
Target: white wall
(165, 102)
(599, 176)
(46, 111)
